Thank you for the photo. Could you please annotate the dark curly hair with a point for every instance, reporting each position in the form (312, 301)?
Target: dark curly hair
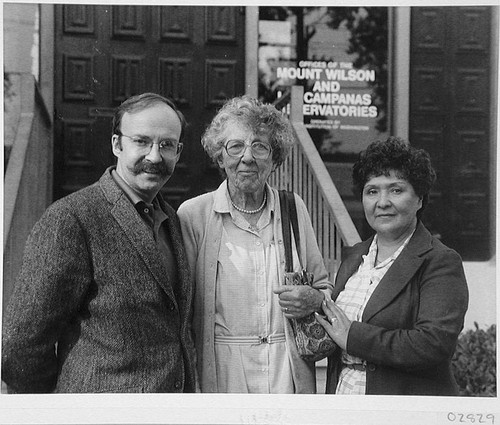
(393, 154)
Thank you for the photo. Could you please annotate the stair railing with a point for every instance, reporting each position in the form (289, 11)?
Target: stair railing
(28, 176)
(305, 173)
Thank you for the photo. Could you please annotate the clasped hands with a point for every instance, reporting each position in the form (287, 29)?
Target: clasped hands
(298, 301)
(335, 322)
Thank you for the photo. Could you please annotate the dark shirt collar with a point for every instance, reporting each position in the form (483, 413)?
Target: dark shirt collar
(152, 213)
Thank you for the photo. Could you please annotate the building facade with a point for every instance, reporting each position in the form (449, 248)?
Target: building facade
(426, 74)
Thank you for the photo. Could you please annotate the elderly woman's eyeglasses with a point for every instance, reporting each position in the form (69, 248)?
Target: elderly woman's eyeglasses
(168, 147)
(237, 148)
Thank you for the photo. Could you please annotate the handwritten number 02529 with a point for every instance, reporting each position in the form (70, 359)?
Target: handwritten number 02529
(471, 418)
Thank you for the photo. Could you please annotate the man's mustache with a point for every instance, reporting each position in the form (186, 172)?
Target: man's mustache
(148, 167)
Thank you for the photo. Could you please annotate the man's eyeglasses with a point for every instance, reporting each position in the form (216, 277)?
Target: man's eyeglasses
(167, 147)
(237, 148)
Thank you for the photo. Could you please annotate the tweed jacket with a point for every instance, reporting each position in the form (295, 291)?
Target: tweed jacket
(201, 223)
(95, 308)
(411, 323)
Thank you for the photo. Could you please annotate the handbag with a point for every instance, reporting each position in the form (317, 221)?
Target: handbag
(312, 341)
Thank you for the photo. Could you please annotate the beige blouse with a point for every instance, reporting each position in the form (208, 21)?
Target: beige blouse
(250, 349)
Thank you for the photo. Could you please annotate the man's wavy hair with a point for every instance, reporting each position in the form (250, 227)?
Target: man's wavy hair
(260, 118)
(393, 154)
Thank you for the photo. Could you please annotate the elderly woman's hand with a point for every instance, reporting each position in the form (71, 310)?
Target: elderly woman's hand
(298, 301)
(336, 323)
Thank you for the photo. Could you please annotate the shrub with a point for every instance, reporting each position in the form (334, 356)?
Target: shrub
(474, 362)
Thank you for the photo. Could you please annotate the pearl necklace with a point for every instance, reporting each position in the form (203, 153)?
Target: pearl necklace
(237, 208)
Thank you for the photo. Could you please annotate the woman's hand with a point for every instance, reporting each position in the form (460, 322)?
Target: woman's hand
(298, 301)
(336, 323)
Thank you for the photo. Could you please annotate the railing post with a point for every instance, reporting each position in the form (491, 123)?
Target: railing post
(296, 103)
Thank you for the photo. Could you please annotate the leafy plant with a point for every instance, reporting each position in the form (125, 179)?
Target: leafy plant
(474, 362)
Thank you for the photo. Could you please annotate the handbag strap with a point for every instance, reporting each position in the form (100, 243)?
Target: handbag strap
(289, 217)
(285, 225)
(295, 222)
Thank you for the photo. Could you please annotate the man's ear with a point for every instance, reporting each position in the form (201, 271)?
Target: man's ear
(116, 145)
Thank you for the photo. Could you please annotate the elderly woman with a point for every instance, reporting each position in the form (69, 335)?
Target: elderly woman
(400, 297)
(234, 243)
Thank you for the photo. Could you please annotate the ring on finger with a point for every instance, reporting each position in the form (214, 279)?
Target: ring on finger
(333, 320)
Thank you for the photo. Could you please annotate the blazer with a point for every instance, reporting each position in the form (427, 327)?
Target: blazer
(95, 308)
(201, 223)
(411, 323)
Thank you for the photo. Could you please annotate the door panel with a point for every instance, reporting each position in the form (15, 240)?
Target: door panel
(450, 118)
(105, 54)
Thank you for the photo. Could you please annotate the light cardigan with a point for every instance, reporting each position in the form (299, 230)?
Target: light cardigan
(201, 224)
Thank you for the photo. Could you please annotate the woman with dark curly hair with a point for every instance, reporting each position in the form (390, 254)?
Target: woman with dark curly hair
(400, 297)
(234, 245)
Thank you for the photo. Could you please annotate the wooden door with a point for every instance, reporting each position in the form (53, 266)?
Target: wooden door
(105, 54)
(450, 97)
